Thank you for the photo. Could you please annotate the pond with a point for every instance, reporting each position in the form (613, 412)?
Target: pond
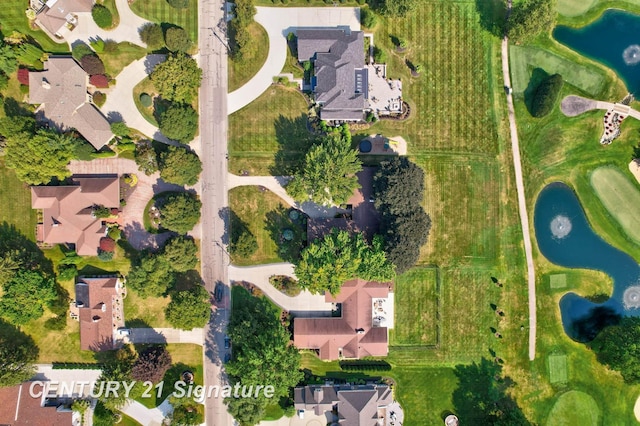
(613, 39)
(565, 238)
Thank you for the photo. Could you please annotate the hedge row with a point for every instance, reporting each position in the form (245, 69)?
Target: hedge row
(365, 365)
(75, 366)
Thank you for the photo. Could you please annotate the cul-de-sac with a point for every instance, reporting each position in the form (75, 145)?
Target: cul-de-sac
(320, 212)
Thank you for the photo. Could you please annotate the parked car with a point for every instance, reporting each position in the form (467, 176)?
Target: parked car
(218, 292)
(124, 332)
(227, 357)
(227, 342)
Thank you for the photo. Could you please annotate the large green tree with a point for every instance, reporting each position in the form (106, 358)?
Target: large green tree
(189, 309)
(617, 347)
(151, 364)
(18, 353)
(177, 40)
(530, 18)
(117, 368)
(179, 122)
(178, 78)
(146, 158)
(328, 176)
(338, 257)
(8, 62)
(260, 340)
(25, 296)
(243, 13)
(180, 212)
(398, 189)
(37, 158)
(151, 277)
(180, 166)
(181, 253)
(151, 34)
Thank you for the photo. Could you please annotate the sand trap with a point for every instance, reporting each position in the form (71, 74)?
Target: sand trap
(636, 409)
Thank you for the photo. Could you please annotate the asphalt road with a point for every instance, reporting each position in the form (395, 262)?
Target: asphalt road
(213, 136)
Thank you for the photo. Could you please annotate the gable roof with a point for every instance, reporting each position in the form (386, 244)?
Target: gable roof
(353, 335)
(18, 408)
(54, 15)
(94, 299)
(67, 211)
(61, 89)
(340, 75)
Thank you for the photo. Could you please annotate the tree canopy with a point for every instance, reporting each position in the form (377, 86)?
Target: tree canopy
(181, 253)
(146, 158)
(37, 158)
(180, 166)
(92, 64)
(545, 95)
(180, 212)
(25, 296)
(178, 78)
(398, 189)
(327, 263)
(260, 340)
(328, 176)
(617, 347)
(117, 368)
(189, 309)
(152, 276)
(530, 18)
(243, 13)
(151, 34)
(179, 122)
(18, 353)
(151, 365)
(177, 40)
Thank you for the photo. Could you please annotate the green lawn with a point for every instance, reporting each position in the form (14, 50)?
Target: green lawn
(15, 199)
(572, 8)
(574, 408)
(416, 319)
(241, 70)
(523, 59)
(145, 86)
(558, 281)
(557, 368)
(12, 17)
(620, 197)
(126, 53)
(160, 11)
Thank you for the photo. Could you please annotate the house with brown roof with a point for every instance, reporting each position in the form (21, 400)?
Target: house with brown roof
(361, 214)
(67, 212)
(61, 91)
(363, 405)
(100, 312)
(361, 330)
(55, 15)
(19, 408)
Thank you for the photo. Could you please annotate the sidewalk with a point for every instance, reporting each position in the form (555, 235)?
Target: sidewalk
(166, 335)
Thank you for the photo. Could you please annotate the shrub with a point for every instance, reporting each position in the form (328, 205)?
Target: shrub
(102, 16)
(101, 212)
(99, 98)
(114, 233)
(179, 4)
(546, 95)
(146, 158)
(285, 284)
(245, 244)
(177, 40)
(151, 35)
(368, 18)
(107, 244)
(105, 256)
(146, 100)
(379, 56)
(92, 64)
(99, 80)
(56, 323)
(97, 45)
(4, 80)
(67, 272)
(119, 128)
(80, 50)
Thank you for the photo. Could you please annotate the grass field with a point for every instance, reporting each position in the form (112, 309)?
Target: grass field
(15, 199)
(620, 197)
(574, 7)
(160, 11)
(523, 59)
(416, 322)
(127, 53)
(574, 408)
(12, 17)
(241, 70)
(557, 368)
(557, 281)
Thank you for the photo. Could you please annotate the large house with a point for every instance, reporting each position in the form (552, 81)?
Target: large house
(360, 331)
(343, 85)
(19, 408)
(68, 212)
(54, 15)
(99, 306)
(61, 91)
(363, 405)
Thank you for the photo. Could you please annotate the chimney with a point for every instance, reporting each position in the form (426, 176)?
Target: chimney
(45, 83)
(96, 318)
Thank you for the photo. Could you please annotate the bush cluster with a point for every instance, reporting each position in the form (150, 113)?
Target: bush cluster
(102, 16)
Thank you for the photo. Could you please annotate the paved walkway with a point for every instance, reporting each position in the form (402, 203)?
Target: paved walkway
(147, 416)
(120, 105)
(276, 185)
(573, 105)
(278, 22)
(133, 212)
(127, 30)
(522, 202)
(303, 304)
(166, 335)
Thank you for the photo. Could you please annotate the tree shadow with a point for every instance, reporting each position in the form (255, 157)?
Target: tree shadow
(185, 281)
(492, 16)
(13, 108)
(13, 334)
(24, 251)
(294, 141)
(278, 221)
(225, 214)
(586, 328)
(538, 75)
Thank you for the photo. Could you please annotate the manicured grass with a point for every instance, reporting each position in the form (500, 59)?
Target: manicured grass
(160, 11)
(12, 17)
(128, 421)
(574, 7)
(15, 199)
(275, 121)
(126, 53)
(416, 316)
(523, 59)
(115, 16)
(557, 281)
(620, 197)
(241, 70)
(574, 408)
(145, 86)
(557, 368)
(149, 312)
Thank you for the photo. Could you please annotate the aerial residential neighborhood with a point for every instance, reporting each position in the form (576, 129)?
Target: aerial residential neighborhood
(318, 212)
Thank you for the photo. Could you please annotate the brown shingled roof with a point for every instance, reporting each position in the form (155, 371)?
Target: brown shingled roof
(94, 300)
(53, 18)
(18, 408)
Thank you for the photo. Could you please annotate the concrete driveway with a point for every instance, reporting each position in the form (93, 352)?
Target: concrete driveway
(278, 22)
(166, 335)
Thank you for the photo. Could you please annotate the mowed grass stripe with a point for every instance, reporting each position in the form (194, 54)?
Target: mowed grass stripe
(571, 8)
(620, 197)
(160, 11)
(557, 368)
(574, 408)
(15, 199)
(416, 319)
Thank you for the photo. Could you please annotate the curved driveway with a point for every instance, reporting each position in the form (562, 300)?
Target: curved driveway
(278, 22)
